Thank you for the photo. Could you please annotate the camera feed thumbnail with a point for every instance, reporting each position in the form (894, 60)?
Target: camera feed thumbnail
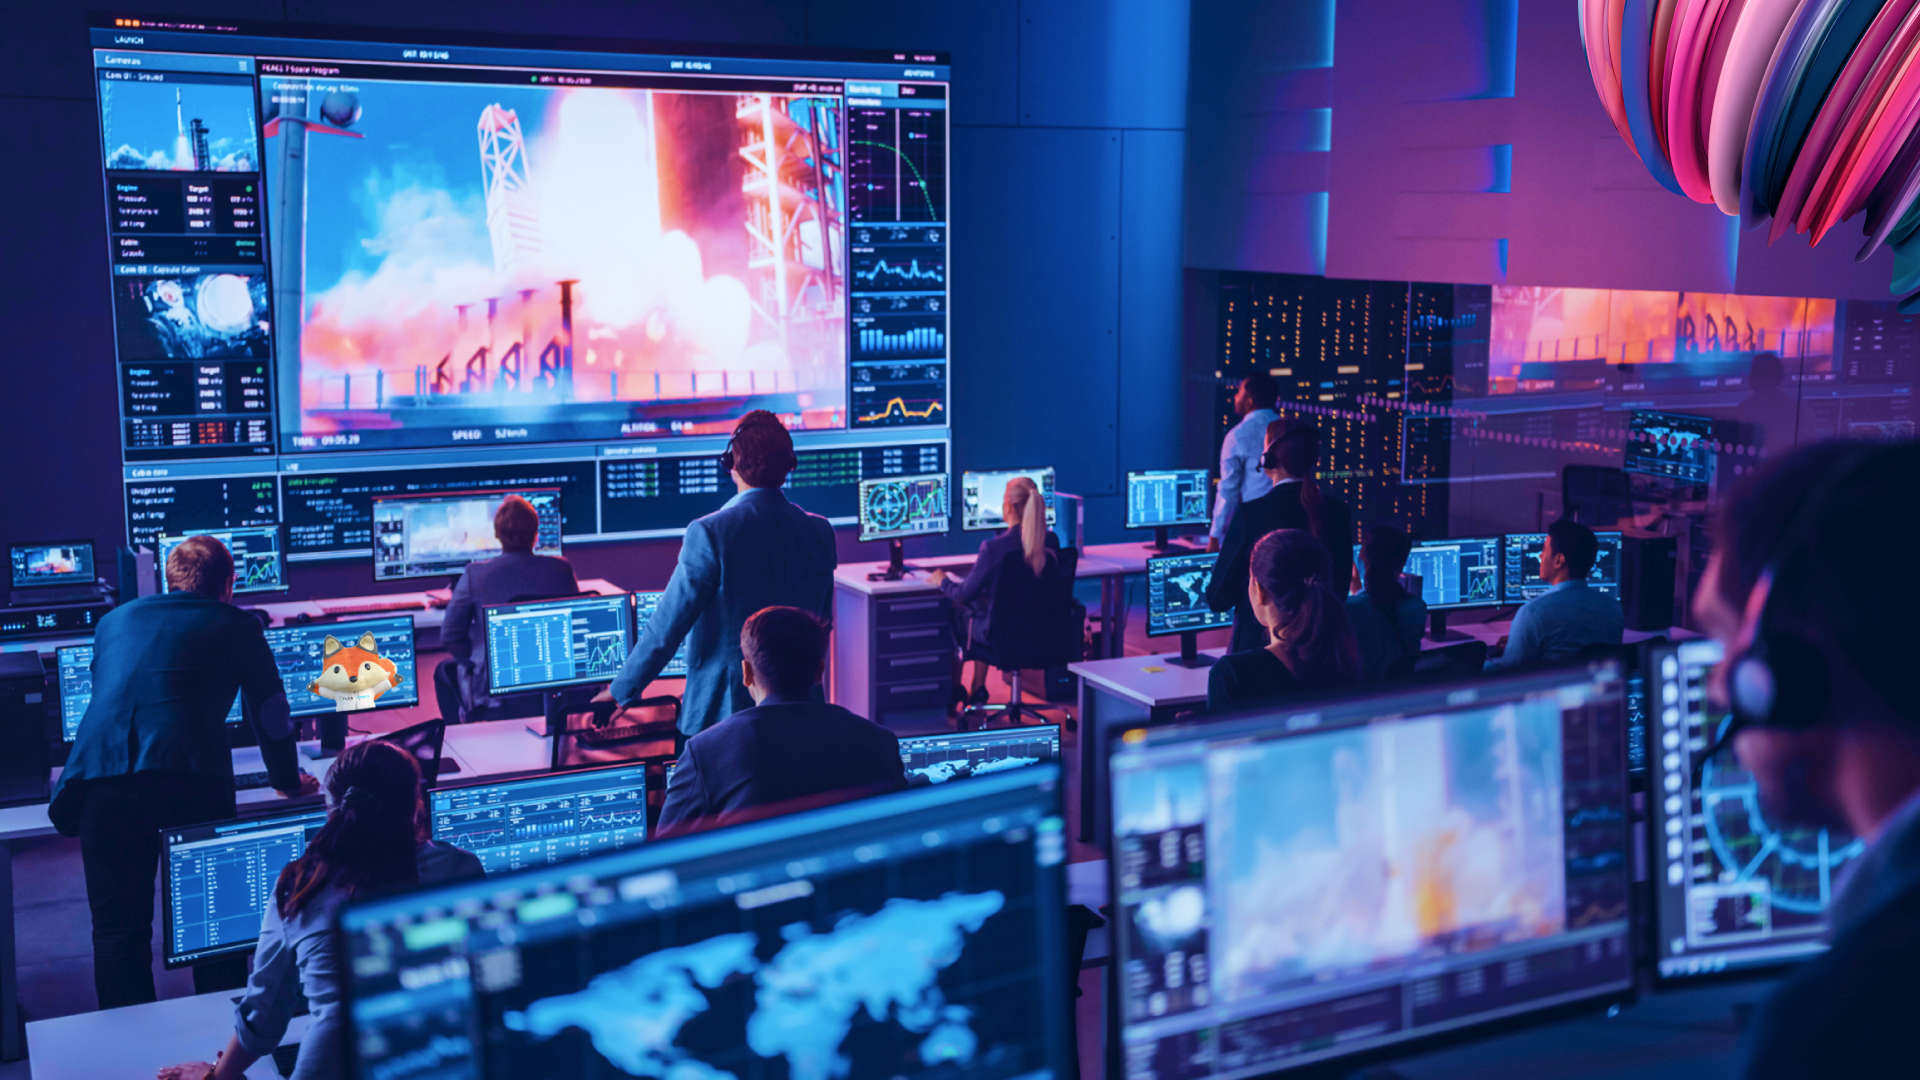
(180, 123)
(519, 263)
(191, 316)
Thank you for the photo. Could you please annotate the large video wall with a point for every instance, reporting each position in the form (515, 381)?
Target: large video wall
(345, 266)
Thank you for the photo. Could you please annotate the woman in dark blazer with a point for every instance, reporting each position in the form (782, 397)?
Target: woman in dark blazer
(1025, 512)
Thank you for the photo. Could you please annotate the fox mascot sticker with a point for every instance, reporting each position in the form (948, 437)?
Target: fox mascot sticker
(355, 675)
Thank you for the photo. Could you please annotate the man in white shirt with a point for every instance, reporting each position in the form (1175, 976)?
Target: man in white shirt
(1241, 477)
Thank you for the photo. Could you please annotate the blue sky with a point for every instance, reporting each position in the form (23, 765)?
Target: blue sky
(141, 114)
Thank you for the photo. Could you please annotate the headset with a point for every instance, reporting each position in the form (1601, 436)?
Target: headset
(755, 419)
(1270, 457)
(1779, 679)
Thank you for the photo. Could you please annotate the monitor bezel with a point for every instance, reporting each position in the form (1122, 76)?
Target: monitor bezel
(447, 496)
(1713, 463)
(93, 557)
(1499, 571)
(381, 702)
(980, 735)
(644, 766)
(1052, 500)
(1301, 716)
(486, 619)
(1506, 541)
(1226, 616)
(279, 530)
(170, 956)
(860, 507)
(59, 695)
(1133, 475)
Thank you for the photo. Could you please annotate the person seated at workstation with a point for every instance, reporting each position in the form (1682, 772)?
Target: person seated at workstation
(152, 752)
(1242, 479)
(460, 682)
(1387, 618)
(373, 840)
(758, 551)
(1025, 511)
(1826, 718)
(1296, 502)
(1569, 616)
(1309, 646)
(787, 749)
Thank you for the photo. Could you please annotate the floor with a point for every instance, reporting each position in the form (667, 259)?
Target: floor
(1690, 1035)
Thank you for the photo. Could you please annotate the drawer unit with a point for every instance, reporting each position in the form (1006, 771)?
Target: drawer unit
(916, 611)
(895, 640)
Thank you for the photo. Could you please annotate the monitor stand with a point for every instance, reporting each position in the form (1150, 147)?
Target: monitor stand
(1437, 628)
(1190, 652)
(896, 562)
(554, 707)
(1160, 541)
(333, 734)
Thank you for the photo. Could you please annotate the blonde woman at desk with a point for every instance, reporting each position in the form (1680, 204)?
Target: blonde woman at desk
(1026, 516)
(372, 840)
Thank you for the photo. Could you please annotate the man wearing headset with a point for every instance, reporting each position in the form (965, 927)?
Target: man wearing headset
(757, 551)
(1819, 677)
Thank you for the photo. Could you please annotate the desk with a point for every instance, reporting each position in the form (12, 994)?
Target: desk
(140, 1040)
(428, 611)
(1126, 559)
(893, 644)
(1128, 690)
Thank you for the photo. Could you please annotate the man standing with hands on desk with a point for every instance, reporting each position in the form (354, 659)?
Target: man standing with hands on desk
(758, 551)
(152, 753)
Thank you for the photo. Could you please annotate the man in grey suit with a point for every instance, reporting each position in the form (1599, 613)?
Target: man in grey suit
(757, 551)
(460, 682)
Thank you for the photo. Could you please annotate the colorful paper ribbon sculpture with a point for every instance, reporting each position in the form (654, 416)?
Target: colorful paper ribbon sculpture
(1793, 114)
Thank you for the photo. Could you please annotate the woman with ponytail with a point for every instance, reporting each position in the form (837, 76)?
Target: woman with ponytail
(1387, 619)
(372, 841)
(1025, 511)
(1292, 460)
(1309, 646)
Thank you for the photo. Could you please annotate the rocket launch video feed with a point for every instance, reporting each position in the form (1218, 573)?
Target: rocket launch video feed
(344, 246)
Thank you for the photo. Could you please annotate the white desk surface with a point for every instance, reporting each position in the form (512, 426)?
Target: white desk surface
(140, 1040)
(853, 576)
(1132, 556)
(426, 613)
(1149, 680)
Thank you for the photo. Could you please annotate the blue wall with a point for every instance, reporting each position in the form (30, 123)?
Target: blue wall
(1068, 196)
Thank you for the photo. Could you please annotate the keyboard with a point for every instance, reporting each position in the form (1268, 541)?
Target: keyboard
(372, 607)
(599, 735)
(252, 781)
(284, 1056)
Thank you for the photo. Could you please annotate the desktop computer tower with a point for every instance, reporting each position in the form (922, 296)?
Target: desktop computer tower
(1647, 568)
(24, 764)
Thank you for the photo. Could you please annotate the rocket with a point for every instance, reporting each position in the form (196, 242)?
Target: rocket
(182, 146)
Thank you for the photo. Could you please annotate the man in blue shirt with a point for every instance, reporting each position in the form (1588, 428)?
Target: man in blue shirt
(1569, 616)
(757, 551)
(516, 573)
(788, 751)
(1241, 477)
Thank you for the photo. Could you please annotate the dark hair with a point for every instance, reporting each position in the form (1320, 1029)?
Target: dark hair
(762, 450)
(1385, 549)
(368, 842)
(1767, 372)
(787, 648)
(1866, 495)
(1262, 389)
(516, 524)
(1296, 573)
(1577, 543)
(199, 564)
(1295, 446)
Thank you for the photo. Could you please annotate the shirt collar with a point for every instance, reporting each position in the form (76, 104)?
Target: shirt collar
(756, 494)
(1576, 583)
(1288, 480)
(775, 698)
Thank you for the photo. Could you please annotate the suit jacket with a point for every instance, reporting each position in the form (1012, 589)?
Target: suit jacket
(974, 592)
(780, 750)
(1846, 1012)
(496, 581)
(757, 551)
(165, 671)
(1277, 509)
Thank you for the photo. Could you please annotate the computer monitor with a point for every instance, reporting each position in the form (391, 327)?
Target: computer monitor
(1165, 498)
(1302, 884)
(439, 534)
(217, 880)
(981, 495)
(73, 678)
(371, 666)
(913, 935)
(541, 820)
(936, 759)
(1733, 889)
(1673, 446)
(259, 558)
(897, 507)
(1455, 574)
(541, 645)
(1177, 603)
(645, 604)
(64, 562)
(1522, 582)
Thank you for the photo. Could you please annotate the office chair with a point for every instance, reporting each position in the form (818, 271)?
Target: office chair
(1465, 660)
(1034, 626)
(1597, 496)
